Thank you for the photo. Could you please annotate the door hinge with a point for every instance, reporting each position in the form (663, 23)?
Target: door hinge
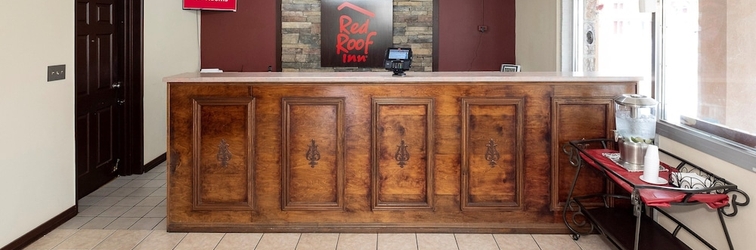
(115, 168)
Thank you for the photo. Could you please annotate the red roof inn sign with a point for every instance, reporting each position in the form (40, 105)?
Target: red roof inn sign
(355, 33)
(229, 5)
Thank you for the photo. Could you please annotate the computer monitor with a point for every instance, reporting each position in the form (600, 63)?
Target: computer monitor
(398, 60)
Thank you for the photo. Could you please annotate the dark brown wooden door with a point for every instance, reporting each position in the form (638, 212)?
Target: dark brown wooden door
(99, 75)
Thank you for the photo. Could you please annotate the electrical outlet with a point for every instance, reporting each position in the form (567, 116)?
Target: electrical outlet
(56, 72)
(482, 28)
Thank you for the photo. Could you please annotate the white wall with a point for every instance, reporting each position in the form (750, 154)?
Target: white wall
(37, 127)
(37, 156)
(537, 34)
(705, 221)
(171, 46)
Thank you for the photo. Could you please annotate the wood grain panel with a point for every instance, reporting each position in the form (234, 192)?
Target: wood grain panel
(575, 118)
(312, 154)
(223, 169)
(402, 166)
(379, 195)
(492, 153)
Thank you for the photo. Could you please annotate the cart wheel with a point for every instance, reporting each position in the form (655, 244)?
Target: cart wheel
(575, 237)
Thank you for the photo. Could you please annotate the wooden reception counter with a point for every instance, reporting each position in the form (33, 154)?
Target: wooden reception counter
(368, 152)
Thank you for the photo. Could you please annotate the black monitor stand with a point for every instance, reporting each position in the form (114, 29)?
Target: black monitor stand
(399, 72)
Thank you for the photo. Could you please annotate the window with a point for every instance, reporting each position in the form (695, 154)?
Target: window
(699, 53)
(704, 71)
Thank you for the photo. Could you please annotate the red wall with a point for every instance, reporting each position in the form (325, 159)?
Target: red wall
(245, 40)
(461, 47)
(248, 40)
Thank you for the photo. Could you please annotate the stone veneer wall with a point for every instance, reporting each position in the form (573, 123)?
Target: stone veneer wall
(300, 31)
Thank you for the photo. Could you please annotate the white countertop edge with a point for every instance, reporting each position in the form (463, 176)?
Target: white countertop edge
(386, 77)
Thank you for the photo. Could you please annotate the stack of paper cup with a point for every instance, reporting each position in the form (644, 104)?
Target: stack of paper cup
(651, 164)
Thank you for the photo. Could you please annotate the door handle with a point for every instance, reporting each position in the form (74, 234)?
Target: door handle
(121, 101)
(116, 85)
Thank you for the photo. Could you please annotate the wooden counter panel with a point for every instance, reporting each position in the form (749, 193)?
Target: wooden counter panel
(492, 166)
(181, 158)
(313, 153)
(584, 111)
(223, 140)
(402, 153)
(537, 142)
(578, 118)
(431, 193)
(447, 175)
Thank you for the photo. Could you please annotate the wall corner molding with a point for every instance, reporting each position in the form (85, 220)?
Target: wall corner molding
(154, 163)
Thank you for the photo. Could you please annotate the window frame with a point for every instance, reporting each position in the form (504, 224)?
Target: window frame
(721, 148)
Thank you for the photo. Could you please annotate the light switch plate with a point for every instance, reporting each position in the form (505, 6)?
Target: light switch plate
(56, 72)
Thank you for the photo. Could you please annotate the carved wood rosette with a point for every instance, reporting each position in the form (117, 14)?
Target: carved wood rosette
(224, 155)
(402, 155)
(222, 160)
(492, 153)
(313, 155)
(313, 128)
(402, 135)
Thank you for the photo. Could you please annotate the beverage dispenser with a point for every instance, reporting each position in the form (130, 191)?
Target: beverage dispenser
(636, 128)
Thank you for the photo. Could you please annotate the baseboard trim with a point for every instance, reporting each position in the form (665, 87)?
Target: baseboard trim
(43, 229)
(154, 163)
(304, 227)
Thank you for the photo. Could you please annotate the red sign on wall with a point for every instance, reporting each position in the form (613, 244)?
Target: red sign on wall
(228, 5)
(355, 33)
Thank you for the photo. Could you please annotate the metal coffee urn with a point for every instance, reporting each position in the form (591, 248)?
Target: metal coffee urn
(636, 128)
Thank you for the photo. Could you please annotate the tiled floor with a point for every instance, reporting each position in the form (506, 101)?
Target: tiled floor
(129, 213)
